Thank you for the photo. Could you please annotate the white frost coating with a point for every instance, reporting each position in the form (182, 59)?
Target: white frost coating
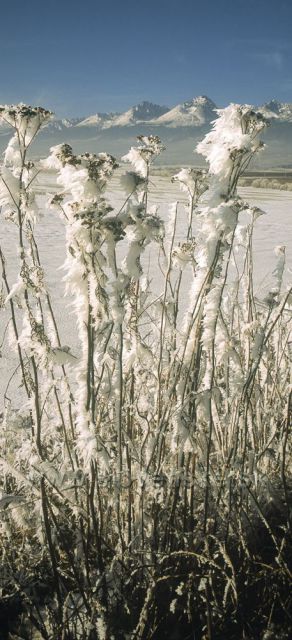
(143, 228)
(230, 143)
(230, 138)
(280, 252)
(227, 149)
(183, 254)
(26, 120)
(91, 236)
(135, 158)
(191, 181)
(12, 155)
(62, 356)
(131, 182)
(142, 156)
(211, 306)
(9, 188)
(163, 426)
(17, 289)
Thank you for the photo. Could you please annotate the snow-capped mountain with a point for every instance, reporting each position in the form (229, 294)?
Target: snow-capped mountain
(194, 113)
(96, 120)
(65, 123)
(180, 129)
(197, 112)
(143, 112)
(279, 110)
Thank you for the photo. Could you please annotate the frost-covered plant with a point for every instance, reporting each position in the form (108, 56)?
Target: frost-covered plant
(35, 340)
(137, 470)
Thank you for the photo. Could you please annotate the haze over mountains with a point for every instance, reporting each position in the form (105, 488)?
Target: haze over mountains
(180, 128)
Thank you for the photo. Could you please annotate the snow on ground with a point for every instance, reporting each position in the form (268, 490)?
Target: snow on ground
(272, 229)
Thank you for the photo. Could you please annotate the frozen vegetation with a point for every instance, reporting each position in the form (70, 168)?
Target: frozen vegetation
(145, 484)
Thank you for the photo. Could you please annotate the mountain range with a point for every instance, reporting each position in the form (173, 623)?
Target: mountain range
(180, 128)
(193, 113)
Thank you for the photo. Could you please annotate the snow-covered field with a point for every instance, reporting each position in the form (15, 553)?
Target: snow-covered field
(272, 229)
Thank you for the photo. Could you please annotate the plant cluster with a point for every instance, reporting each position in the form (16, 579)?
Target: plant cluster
(145, 485)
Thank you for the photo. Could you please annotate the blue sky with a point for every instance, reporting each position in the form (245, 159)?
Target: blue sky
(82, 56)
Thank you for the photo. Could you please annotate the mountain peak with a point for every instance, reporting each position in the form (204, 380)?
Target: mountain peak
(202, 100)
(279, 110)
(95, 120)
(274, 106)
(147, 110)
(195, 112)
(142, 112)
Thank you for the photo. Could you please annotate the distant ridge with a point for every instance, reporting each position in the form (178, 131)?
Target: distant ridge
(280, 110)
(180, 128)
(143, 112)
(195, 112)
